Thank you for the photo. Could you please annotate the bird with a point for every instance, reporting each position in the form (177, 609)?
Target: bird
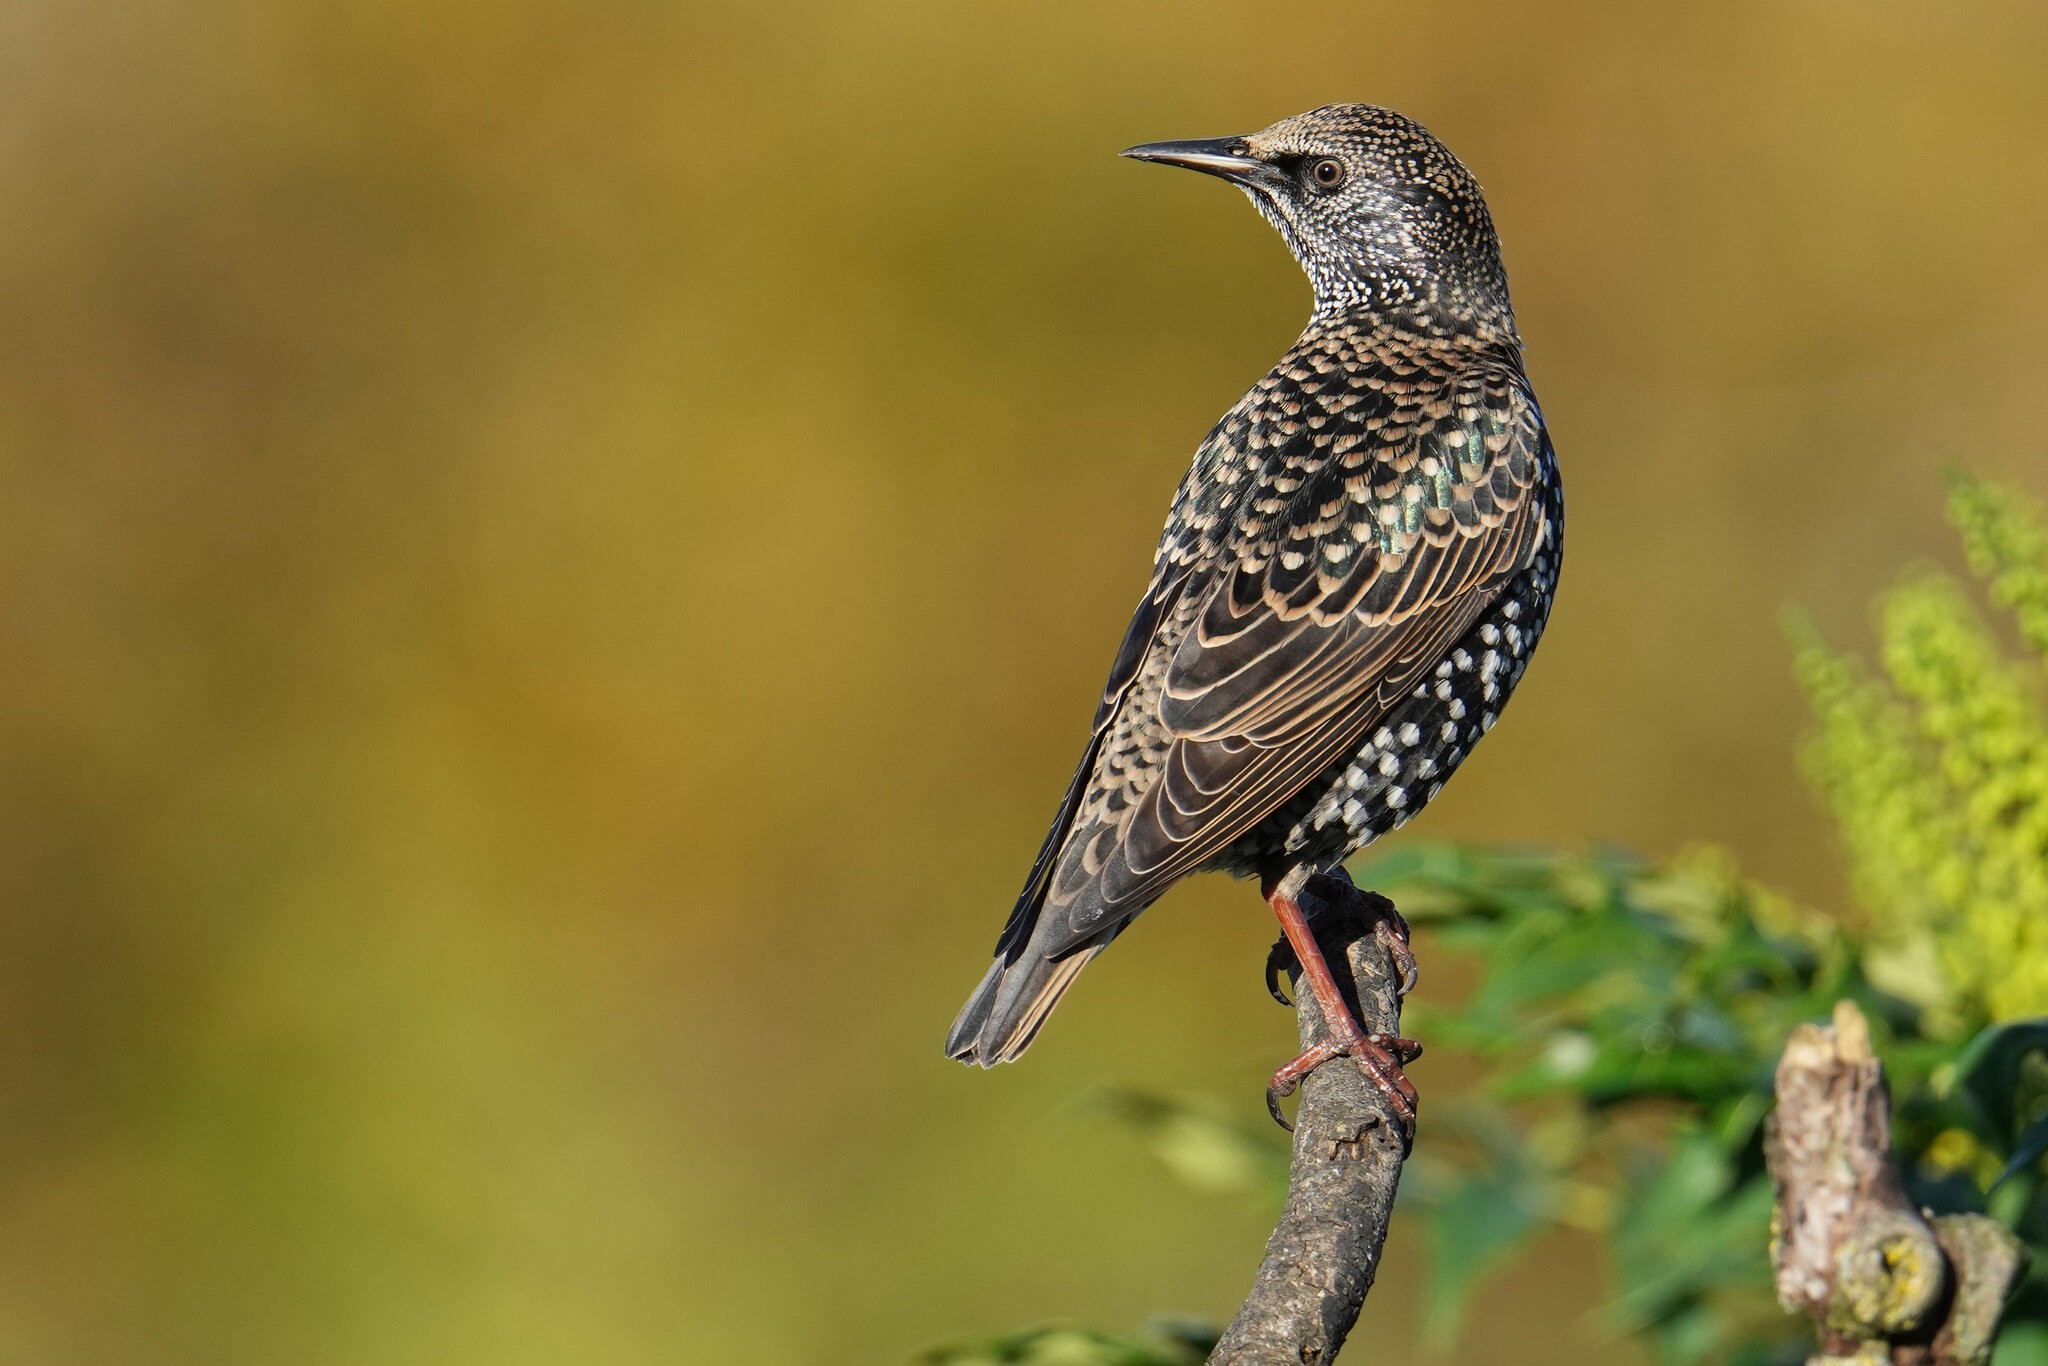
(1353, 574)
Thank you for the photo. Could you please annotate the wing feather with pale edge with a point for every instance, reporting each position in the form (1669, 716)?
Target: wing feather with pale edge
(1160, 595)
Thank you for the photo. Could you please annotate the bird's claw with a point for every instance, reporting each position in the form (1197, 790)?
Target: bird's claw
(1405, 1051)
(1279, 959)
(1379, 1056)
(1392, 933)
(1273, 1094)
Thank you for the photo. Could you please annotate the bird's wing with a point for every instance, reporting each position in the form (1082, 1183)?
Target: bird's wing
(1160, 596)
(1370, 544)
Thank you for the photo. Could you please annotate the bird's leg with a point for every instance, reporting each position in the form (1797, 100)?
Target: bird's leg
(1389, 927)
(1379, 1056)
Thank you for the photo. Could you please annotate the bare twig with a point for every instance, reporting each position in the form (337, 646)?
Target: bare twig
(1348, 1151)
(1885, 1285)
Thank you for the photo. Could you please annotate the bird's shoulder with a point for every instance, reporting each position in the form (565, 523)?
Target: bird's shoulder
(1365, 442)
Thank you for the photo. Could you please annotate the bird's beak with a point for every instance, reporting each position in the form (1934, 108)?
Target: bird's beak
(1225, 157)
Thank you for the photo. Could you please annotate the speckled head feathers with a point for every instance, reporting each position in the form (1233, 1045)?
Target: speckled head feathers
(1379, 213)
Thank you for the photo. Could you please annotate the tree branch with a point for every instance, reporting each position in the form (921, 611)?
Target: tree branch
(1886, 1285)
(1348, 1151)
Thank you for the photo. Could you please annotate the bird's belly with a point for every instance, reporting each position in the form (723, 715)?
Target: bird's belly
(1406, 760)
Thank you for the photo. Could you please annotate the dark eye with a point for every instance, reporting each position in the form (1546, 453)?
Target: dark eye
(1328, 173)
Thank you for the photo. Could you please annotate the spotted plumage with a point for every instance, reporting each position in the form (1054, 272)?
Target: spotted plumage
(1352, 575)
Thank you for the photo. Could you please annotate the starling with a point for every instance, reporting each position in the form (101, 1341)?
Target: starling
(1351, 579)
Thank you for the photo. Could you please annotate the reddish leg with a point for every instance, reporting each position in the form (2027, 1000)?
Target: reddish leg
(1379, 1056)
(1389, 927)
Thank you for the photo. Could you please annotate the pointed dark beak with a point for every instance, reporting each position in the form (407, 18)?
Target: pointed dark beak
(1225, 157)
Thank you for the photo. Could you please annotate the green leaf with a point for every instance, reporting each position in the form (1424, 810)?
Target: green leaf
(2021, 1344)
(1686, 1229)
(1067, 1345)
(2026, 1151)
(1208, 1151)
(1473, 1227)
(1988, 1071)
(1480, 1195)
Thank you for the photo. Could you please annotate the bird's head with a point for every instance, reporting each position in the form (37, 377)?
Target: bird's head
(1378, 212)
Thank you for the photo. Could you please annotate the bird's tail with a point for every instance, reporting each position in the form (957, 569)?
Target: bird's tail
(1005, 1012)
(1033, 966)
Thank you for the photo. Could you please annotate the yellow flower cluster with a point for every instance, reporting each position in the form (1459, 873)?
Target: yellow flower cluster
(1937, 773)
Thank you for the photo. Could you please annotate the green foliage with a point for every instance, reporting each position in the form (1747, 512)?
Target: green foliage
(2006, 541)
(1936, 769)
(1629, 1018)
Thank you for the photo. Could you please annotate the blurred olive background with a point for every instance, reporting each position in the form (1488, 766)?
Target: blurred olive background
(557, 555)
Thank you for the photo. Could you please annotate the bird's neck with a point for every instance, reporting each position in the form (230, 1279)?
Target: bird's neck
(1415, 317)
(1431, 301)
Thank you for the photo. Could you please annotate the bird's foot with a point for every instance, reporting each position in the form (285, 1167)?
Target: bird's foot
(1379, 1056)
(1389, 926)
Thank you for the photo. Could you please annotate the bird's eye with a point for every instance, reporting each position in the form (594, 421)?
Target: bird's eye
(1327, 173)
